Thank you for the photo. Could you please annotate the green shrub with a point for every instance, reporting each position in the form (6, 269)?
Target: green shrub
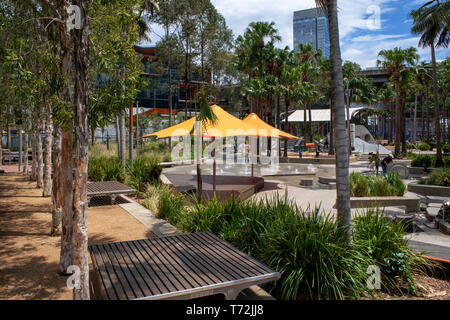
(424, 147)
(437, 178)
(105, 168)
(145, 169)
(382, 241)
(314, 258)
(376, 186)
(310, 252)
(165, 202)
(423, 159)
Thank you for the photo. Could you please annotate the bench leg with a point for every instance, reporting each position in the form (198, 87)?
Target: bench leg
(113, 199)
(232, 294)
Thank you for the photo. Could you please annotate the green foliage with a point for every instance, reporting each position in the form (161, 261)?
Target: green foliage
(376, 186)
(382, 241)
(424, 147)
(105, 168)
(145, 169)
(165, 202)
(437, 178)
(419, 160)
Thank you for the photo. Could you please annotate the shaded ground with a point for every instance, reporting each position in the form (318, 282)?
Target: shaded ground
(29, 257)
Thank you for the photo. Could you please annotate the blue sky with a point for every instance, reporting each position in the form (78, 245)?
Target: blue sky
(362, 37)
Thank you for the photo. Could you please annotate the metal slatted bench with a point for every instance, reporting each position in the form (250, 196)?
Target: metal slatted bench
(183, 267)
(107, 188)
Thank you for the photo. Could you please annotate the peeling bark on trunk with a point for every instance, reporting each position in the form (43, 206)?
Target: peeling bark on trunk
(118, 136)
(80, 204)
(39, 162)
(33, 156)
(122, 138)
(48, 153)
(66, 175)
(25, 152)
(56, 190)
(66, 188)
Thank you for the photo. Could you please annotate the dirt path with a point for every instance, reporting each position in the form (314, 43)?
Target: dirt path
(29, 257)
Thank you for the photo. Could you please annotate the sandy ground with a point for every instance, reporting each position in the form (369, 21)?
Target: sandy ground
(29, 257)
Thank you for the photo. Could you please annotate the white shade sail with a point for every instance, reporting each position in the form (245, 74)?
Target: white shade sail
(318, 115)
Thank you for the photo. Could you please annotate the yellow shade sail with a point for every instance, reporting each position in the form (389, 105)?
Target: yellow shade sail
(261, 126)
(225, 125)
(178, 130)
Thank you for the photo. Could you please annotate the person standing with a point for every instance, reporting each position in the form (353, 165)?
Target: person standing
(385, 162)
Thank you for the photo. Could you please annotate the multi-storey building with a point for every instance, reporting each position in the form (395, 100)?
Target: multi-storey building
(311, 26)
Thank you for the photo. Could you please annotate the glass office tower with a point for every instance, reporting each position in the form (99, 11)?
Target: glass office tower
(311, 26)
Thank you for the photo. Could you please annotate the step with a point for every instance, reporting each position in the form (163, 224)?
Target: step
(326, 180)
(306, 182)
(431, 213)
(444, 227)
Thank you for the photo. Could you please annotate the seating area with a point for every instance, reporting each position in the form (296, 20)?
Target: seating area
(184, 266)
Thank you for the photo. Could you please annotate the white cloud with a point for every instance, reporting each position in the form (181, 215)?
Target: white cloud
(358, 42)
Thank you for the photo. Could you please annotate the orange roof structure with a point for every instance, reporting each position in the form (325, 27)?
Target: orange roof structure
(256, 122)
(226, 125)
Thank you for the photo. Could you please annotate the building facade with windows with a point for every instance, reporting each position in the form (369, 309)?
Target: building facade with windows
(311, 26)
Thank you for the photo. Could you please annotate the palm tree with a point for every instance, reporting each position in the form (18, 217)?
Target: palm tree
(256, 37)
(432, 21)
(394, 62)
(341, 142)
(387, 95)
(310, 64)
(205, 116)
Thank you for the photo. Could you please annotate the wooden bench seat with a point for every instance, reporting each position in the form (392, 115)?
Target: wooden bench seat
(174, 267)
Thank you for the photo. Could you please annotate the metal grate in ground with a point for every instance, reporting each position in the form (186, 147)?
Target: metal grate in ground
(99, 201)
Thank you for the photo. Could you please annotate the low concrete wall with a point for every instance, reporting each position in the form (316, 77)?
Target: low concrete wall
(412, 204)
(429, 190)
(319, 160)
(419, 170)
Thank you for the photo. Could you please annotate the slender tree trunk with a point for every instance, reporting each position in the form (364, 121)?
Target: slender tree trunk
(423, 116)
(66, 174)
(33, 154)
(48, 152)
(310, 132)
(80, 203)
(286, 123)
(403, 124)
(56, 190)
(391, 122)
(305, 131)
(437, 119)
(331, 141)
(122, 132)
(413, 140)
(398, 117)
(342, 159)
(66, 188)
(119, 147)
(39, 162)
(427, 113)
(25, 152)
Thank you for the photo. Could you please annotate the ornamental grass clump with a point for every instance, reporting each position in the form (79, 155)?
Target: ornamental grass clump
(105, 168)
(382, 241)
(145, 169)
(307, 248)
(376, 186)
(437, 178)
(165, 202)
